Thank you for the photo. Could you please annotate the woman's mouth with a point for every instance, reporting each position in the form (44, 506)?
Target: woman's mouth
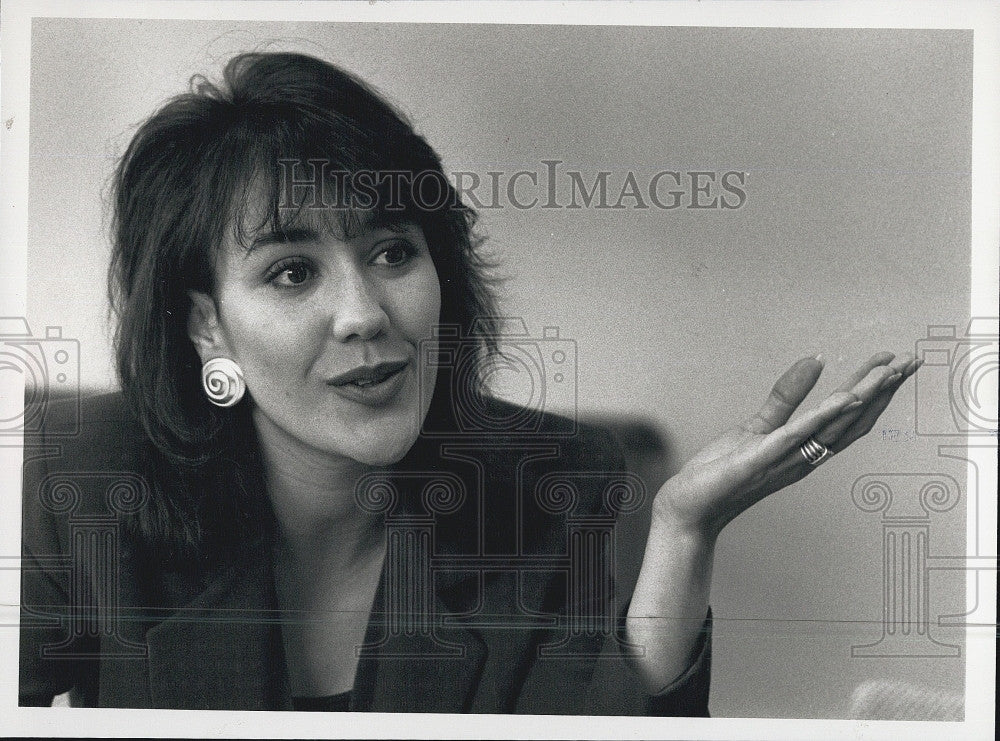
(372, 385)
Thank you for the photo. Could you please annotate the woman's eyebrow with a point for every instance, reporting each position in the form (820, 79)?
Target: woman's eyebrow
(294, 235)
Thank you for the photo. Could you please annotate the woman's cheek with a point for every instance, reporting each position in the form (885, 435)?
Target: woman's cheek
(267, 350)
(428, 296)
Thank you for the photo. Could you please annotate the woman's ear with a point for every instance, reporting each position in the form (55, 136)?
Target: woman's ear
(204, 329)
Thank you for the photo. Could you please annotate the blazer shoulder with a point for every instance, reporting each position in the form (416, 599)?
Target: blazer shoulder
(90, 435)
(582, 445)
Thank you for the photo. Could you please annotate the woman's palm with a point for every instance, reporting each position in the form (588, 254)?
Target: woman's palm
(761, 455)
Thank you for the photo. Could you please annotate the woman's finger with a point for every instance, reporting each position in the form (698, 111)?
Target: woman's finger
(880, 358)
(786, 395)
(899, 367)
(880, 378)
(863, 424)
(777, 444)
(865, 421)
(781, 449)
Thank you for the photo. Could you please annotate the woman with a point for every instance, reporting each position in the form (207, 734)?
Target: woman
(308, 499)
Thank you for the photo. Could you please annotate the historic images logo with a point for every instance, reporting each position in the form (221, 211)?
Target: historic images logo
(500, 495)
(955, 397)
(315, 183)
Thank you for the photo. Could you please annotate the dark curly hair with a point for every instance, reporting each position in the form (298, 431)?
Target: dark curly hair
(188, 175)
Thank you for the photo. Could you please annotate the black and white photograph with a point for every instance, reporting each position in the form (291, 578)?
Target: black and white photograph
(421, 369)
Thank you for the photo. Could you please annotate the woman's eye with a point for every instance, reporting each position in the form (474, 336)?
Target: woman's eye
(290, 274)
(395, 254)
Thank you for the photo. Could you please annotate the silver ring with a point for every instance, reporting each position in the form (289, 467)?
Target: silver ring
(814, 452)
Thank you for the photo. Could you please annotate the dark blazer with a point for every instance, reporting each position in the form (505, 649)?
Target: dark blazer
(495, 597)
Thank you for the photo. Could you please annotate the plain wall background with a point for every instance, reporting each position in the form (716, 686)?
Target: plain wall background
(854, 238)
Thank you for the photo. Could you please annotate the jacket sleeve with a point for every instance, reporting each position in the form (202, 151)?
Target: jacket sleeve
(615, 689)
(688, 694)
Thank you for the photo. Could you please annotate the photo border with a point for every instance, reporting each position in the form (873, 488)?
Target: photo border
(982, 17)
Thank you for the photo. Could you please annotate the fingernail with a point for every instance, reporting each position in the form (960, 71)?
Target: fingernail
(853, 405)
(820, 357)
(889, 381)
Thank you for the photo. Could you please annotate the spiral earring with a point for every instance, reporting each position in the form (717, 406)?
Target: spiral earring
(222, 381)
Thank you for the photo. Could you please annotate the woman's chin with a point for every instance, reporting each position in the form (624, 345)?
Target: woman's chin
(384, 452)
(381, 458)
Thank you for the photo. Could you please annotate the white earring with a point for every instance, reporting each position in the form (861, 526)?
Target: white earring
(222, 381)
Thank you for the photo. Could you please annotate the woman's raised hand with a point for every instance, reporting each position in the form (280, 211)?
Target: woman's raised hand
(756, 458)
(761, 455)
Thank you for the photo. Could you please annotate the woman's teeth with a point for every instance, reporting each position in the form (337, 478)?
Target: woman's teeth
(370, 381)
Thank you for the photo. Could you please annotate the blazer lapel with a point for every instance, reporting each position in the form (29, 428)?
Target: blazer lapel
(222, 650)
(416, 669)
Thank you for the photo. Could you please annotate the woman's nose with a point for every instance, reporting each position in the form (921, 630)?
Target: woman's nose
(357, 309)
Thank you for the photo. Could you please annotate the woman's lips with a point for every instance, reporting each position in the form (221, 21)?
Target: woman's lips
(373, 389)
(365, 374)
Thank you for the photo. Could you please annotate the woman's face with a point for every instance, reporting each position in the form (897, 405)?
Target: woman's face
(326, 329)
